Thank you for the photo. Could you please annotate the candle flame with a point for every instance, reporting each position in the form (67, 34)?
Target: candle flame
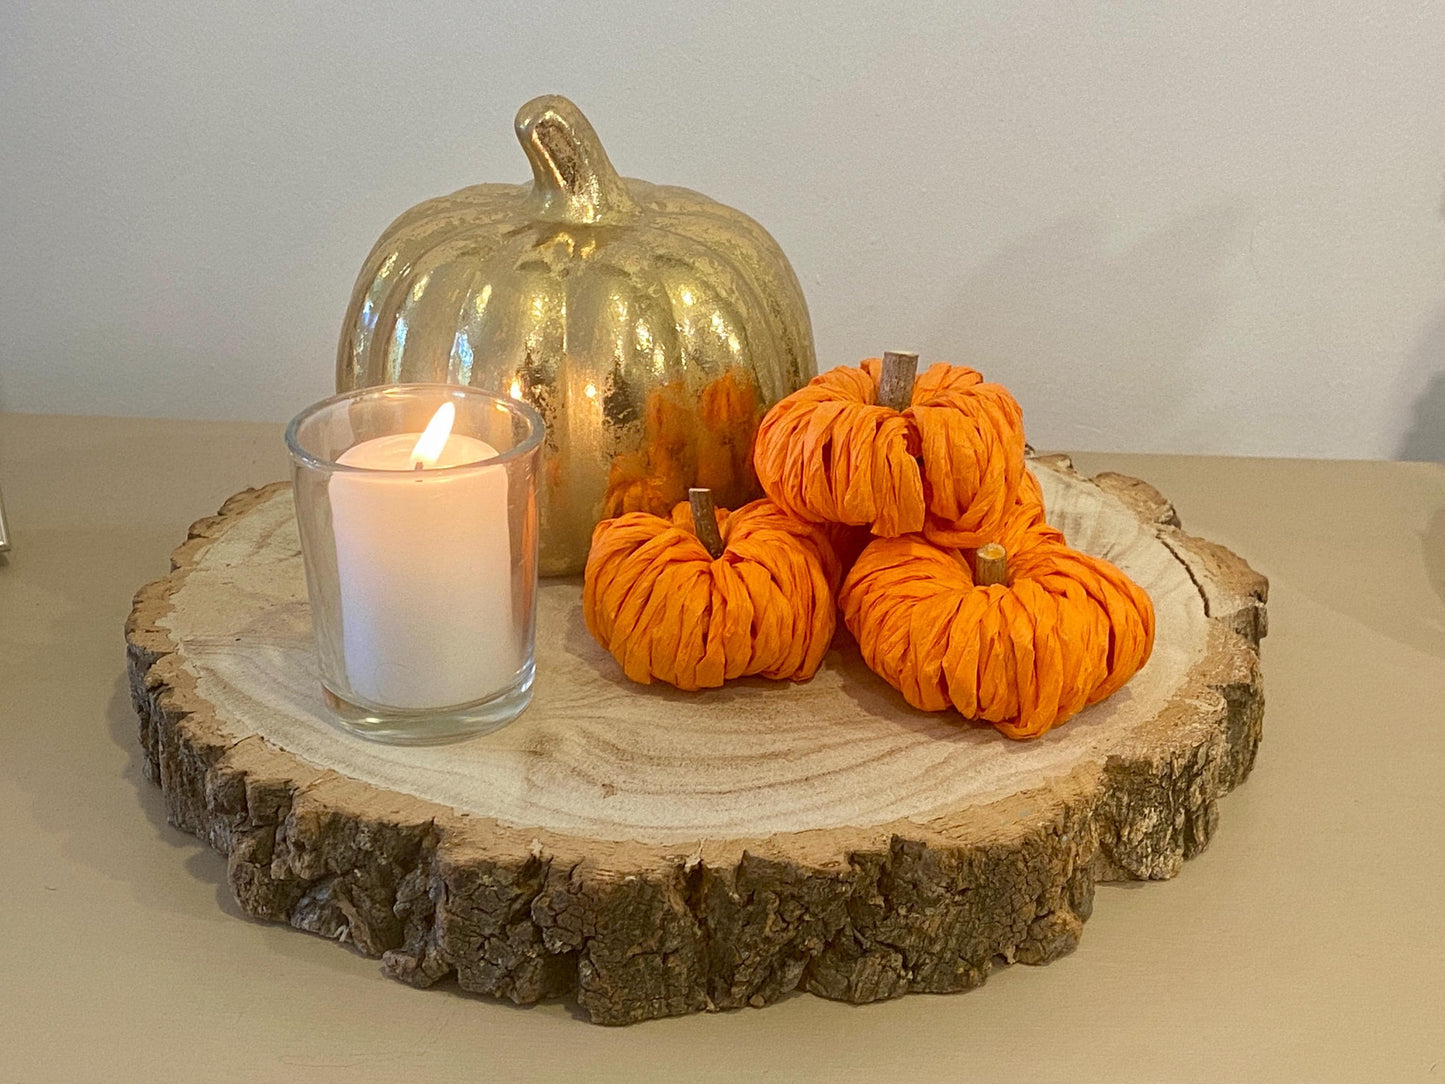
(434, 438)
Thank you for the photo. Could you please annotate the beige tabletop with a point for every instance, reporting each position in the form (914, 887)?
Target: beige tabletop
(1307, 942)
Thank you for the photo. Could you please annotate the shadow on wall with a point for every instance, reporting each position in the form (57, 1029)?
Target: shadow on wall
(1426, 436)
(1118, 320)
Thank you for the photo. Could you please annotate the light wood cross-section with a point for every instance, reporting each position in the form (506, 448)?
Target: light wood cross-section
(651, 852)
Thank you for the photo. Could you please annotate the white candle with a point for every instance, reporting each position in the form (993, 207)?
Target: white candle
(423, 559)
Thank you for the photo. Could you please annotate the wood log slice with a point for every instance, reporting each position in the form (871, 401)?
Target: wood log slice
(650, 852)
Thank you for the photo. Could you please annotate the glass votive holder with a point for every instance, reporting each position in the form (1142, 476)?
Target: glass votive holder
(417, 509)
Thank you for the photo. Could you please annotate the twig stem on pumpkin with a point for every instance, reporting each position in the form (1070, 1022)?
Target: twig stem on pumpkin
(895, 384)
(990, 565)
(704, 520)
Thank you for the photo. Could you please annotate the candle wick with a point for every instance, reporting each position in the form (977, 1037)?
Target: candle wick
(418, 465)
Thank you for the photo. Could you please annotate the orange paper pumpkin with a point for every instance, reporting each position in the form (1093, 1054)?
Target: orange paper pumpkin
(668, 610)
(948, 466)
(1066, 629)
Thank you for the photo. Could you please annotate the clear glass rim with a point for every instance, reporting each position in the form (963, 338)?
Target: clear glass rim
(536, 428)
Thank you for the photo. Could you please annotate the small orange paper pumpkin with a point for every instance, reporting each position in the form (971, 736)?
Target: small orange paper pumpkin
(947, 466)
(1065, 630)
(669, 610)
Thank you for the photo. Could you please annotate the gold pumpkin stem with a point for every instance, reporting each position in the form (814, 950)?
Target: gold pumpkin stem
(990, 565)
(704, 520)
(895, 384)
(574, 180)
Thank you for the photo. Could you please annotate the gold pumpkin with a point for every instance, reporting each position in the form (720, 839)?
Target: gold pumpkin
(619, 309)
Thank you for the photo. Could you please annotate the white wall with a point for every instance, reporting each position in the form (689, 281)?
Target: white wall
(1209, 226)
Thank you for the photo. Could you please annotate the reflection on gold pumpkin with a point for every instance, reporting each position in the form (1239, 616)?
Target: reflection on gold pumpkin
(688, 441)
